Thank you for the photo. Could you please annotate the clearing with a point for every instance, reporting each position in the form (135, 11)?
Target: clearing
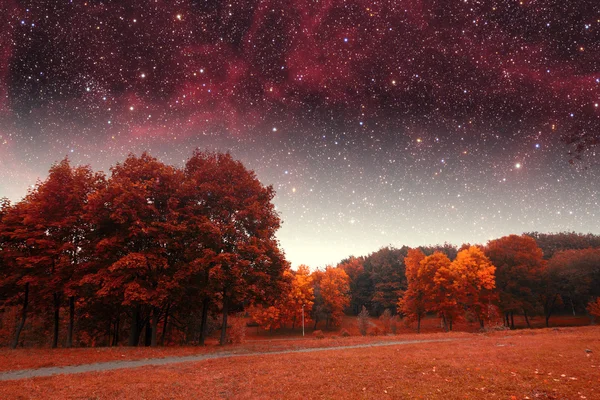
(550, 363)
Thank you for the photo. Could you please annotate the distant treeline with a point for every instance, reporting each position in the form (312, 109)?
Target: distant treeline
(554, 272)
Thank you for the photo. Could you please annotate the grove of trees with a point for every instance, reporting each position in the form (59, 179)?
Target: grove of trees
(157, 254)
(150, 248)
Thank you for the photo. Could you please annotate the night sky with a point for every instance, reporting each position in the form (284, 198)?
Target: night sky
(396, 122)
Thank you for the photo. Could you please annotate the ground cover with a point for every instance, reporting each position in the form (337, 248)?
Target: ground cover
(550, 363)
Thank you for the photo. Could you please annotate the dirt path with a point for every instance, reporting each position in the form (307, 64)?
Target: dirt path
(112, 365)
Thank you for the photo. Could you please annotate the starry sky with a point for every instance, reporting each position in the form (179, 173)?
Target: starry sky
(392, 122)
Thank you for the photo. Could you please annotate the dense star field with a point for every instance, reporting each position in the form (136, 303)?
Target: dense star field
(377, 122)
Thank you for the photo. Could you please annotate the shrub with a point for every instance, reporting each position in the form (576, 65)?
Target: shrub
(318, 334)
(594, 309)
(375, 332)
(394, 324)
(344, 333)
(363, 321)
(385, 319)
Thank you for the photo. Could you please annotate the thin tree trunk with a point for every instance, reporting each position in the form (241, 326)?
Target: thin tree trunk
(147, 331)
(294, 323)
(15, 341)
(116, 335)
(572, 306)
(203, 324)
(481, 323)
(316, 321)
(223, 339)
(109, 333)
(445, 323)
(526, 319)
(419, 323)
(506, 321)
(56, 297)
(512, 320)
(72, 322)
(154, 334)
(134, 333)
(164, 331)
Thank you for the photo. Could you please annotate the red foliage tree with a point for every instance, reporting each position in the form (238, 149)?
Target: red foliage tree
(238, 258)
(519, 270)
(136, 224)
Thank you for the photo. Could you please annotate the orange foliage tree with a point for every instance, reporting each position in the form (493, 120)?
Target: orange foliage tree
(474, 282)
(331, 295)
(519, 270)
(413, 302)
(288, 308)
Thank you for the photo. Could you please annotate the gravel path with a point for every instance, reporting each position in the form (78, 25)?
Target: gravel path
(112, 365)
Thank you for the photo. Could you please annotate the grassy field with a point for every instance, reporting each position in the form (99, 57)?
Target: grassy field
(542, 363)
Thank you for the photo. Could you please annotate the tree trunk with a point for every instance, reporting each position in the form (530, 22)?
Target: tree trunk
(481, 323)
(223, 339)
(109, 333)
(116, 335)
(506, 321)
(316, 321)
(572, 306)
(164, 331)
(526, 319)
(418, 323)
(203, 324)
(23, 318)
(154, 334)
(72, 322)
(148, 331)
(56, 297)
(294, 323)
(512, 320)
(134, 333)
(445, 322)
(450, 322)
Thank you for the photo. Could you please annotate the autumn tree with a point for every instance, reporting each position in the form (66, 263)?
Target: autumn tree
(413, 302)
(331, 295)
(136, 227)
(59, 205)
(519, 269)
(440, 287)
(300, 297)
(474, 281)
(297, 299)
(237, 256)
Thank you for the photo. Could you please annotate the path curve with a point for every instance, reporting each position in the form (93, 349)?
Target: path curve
(113, 365)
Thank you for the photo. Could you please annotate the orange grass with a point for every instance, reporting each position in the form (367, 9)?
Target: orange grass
(11, 360)
(544, 363)
(257, 340)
